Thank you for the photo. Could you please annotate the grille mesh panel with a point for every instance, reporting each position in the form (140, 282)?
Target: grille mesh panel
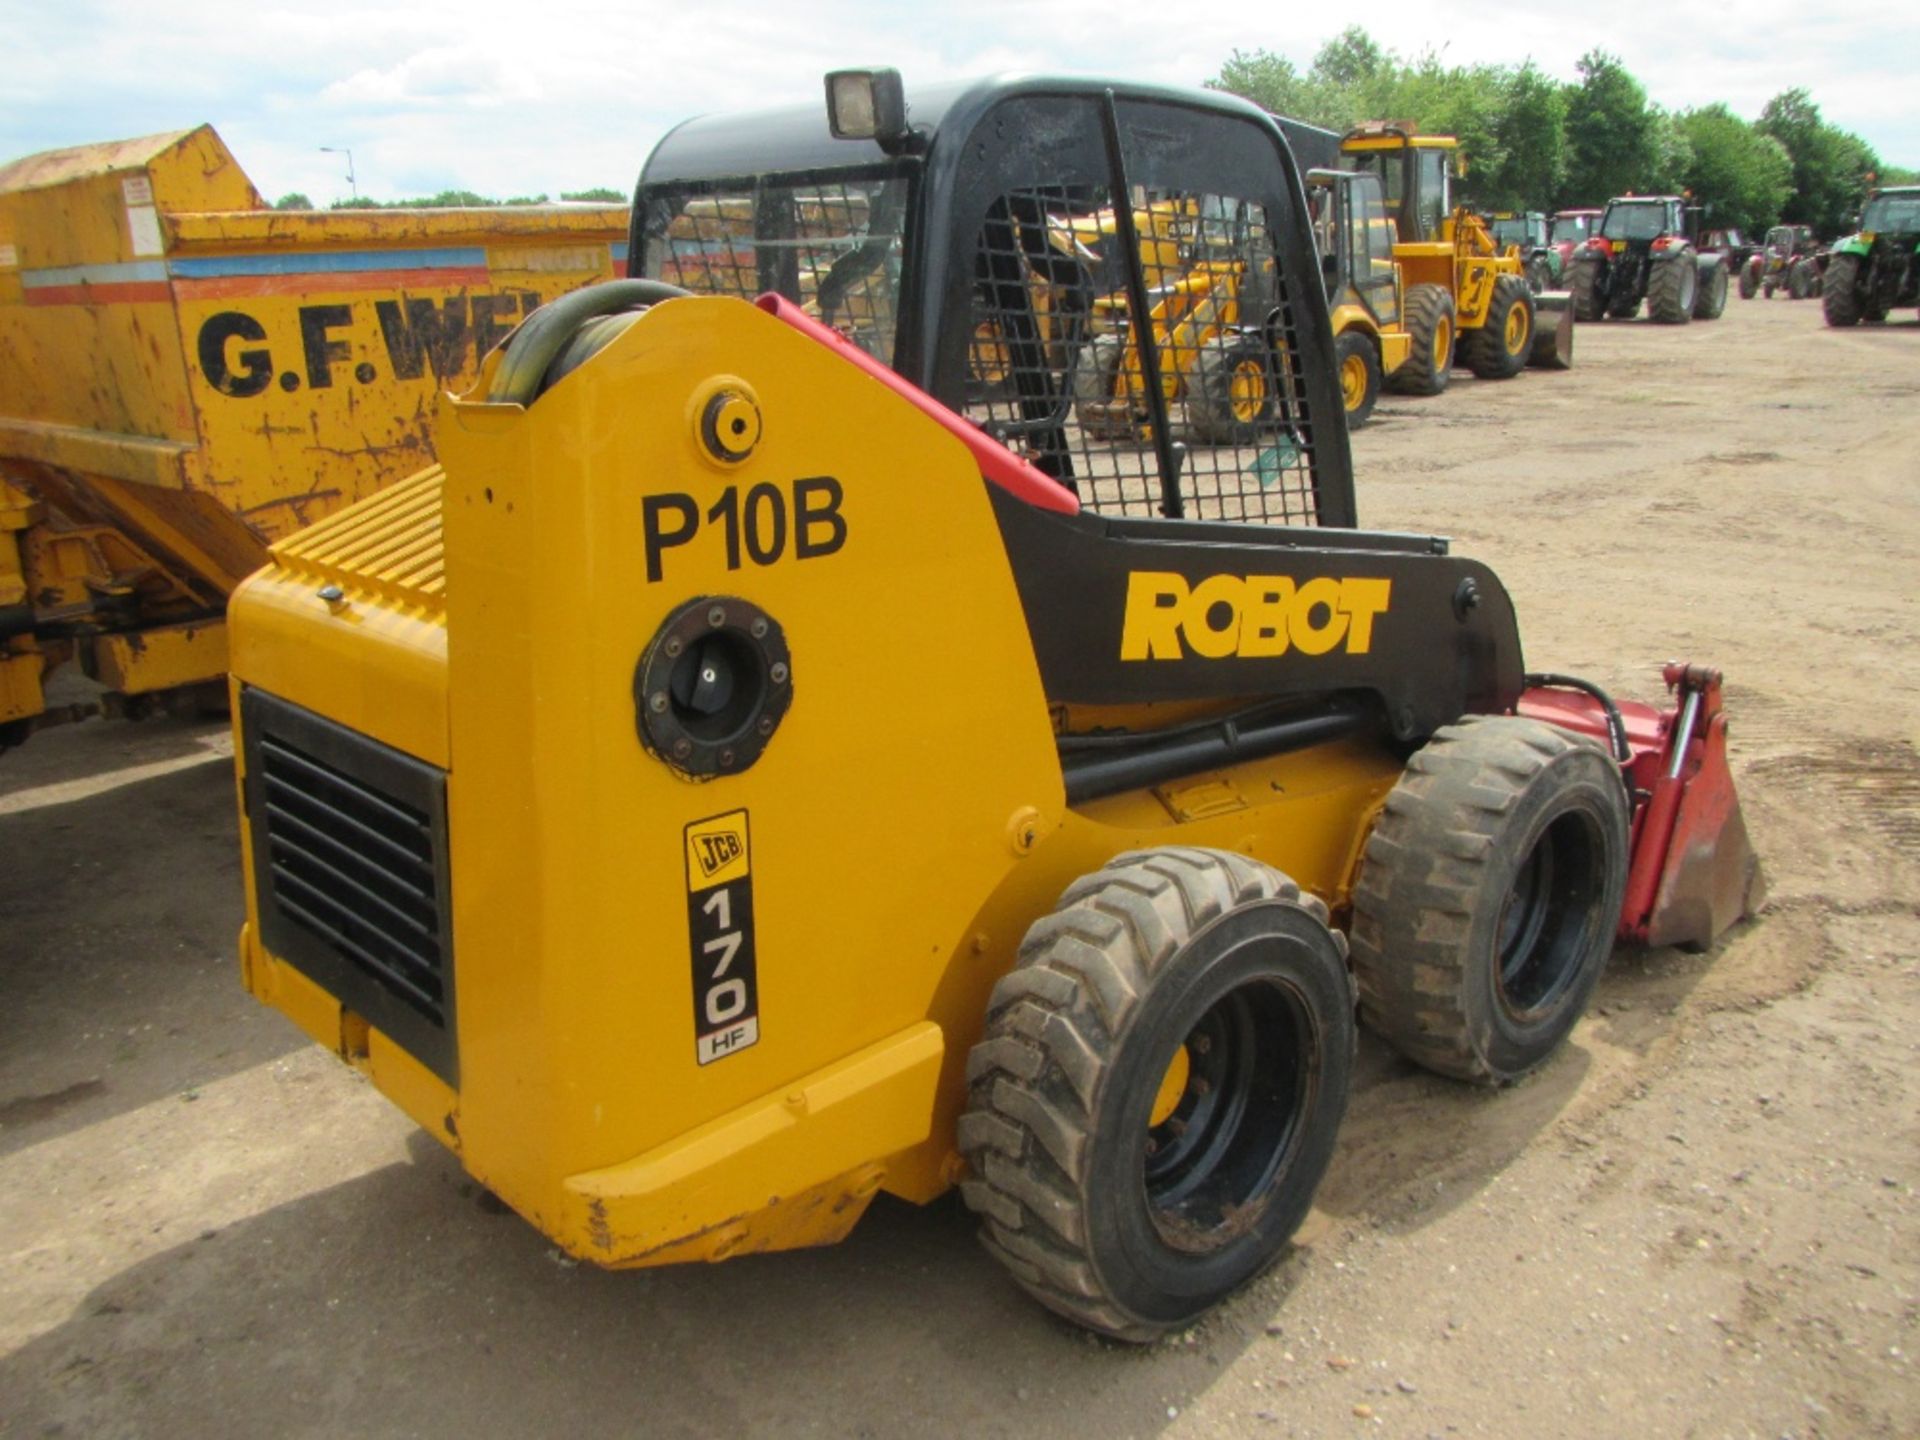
(349, 852)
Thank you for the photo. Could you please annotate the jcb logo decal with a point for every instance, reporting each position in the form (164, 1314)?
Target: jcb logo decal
(726, 988)
(717, 850)
(1253, 616)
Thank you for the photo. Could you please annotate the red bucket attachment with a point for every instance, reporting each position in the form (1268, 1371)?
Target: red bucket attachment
(1691, 871)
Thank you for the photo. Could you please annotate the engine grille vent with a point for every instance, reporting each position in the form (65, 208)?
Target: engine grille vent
(349, 851)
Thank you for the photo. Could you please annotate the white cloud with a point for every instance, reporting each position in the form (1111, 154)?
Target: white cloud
(504, 99)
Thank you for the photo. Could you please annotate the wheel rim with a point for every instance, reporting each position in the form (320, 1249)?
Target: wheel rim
(1442, 344)
(1353, 381)
(1236, 1120)
(1546, 920)
(1247, 391)
(1516, 329)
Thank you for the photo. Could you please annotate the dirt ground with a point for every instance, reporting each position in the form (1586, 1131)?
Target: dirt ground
(1699, 1220)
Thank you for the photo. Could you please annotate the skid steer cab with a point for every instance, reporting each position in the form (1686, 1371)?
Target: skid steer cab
(785, 756)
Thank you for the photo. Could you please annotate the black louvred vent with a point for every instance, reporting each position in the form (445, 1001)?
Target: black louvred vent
(349, 844)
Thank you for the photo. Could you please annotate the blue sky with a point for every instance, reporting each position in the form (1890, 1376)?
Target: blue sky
(511, 99)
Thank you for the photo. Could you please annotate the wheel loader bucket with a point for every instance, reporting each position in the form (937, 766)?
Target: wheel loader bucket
(1553, 330)
(1691, 872)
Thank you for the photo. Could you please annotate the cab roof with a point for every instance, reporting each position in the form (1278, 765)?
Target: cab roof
(795, 138)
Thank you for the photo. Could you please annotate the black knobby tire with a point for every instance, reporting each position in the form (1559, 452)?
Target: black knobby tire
(1488, 896)
(1589, 300)
(1501, 347)
(1232, 395)
(1749, 282)
(1798, 285)
(1165, 956)
(1710, 300)
(1357, 362)
(1671, 288)
(1842, 300)
(1096, 376)
(1430, 324)
(1539, 274)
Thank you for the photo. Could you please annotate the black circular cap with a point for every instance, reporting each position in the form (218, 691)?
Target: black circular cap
(712, 686)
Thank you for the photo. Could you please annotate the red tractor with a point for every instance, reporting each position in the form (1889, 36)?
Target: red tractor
(1570, 230)
(1792, 259)
(1648, 250)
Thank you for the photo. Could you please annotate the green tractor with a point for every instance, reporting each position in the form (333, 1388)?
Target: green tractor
(1527, 229)
(1877, 268)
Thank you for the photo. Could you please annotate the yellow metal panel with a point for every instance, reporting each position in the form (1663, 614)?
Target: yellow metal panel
(571, 912)
(161, 330)
(239, 230)
(20, 694)
(380, 669)
(161, 658)
(781, 1146)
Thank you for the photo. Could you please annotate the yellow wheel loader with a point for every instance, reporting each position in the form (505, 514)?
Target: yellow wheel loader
(764, 768)
(1467, 296)
(1356, 238)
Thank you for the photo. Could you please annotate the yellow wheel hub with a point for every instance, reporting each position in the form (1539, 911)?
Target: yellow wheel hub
(1173, 1085)
(1247, 391)
(1442, 345)
(1516, 329)
(1353, 381)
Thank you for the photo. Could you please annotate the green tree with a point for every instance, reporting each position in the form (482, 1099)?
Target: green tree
(1531, 133)
(293, 200)
(1740, 174)
(1830, 166)
(1271, 82)
(599, 195)
(1611, 144)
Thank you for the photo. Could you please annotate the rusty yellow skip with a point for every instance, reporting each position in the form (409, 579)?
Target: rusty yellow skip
(187, 375)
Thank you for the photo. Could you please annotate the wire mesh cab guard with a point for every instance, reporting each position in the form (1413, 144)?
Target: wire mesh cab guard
(1117, 283)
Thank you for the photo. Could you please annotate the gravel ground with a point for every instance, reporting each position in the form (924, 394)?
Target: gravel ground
(1699, 1219)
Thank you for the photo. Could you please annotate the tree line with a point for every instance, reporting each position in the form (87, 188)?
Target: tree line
(1534, 143)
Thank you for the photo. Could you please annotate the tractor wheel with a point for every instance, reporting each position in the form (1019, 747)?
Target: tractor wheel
(1710, 300)
(1429, 363)
(1583, 279)
(1842, 300)
(1488, 896)
(1499, 349)
(1232, 396)
(1749, 283)
(1539, 274)
(1096, 375)
(1797, 283)
(1155, 1098)
(1670, 290)
(1359, 363)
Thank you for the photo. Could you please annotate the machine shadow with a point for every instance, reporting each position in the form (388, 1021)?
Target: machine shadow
(406, 1301)
(1416, 1146)
(120, 917)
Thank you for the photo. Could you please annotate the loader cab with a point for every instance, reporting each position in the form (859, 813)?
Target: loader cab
(1355, 232)
(1007, 246)
(1415, 172)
